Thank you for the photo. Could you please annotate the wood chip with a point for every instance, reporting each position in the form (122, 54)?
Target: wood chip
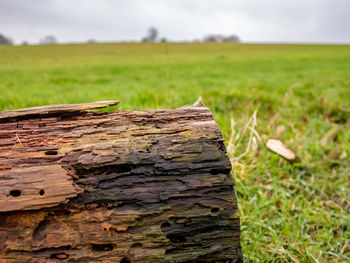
(277, 146)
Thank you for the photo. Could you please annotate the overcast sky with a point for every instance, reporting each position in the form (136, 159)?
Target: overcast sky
(323, 21)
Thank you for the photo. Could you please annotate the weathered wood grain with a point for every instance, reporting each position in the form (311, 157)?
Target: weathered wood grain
(122, 186)
(58, 108)
(35, 187)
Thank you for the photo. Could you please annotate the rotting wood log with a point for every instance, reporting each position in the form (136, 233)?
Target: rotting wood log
(120, 186)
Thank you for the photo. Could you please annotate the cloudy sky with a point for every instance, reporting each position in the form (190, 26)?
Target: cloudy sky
(320, 21)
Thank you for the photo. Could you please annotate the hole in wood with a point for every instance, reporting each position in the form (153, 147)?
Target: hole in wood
(62, 212)
(176, 238)
(60, 256)
(51, 152)
(125, 260)
(215, 210)
(218, 171)
(101, 247)
(42, 192)
(15, 193)
(165, 224)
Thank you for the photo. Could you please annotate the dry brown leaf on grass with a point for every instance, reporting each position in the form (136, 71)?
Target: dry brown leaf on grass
(331, 135)
(333, 155)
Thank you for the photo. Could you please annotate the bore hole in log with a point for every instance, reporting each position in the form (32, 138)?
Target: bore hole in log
(51, 152)
(62, 212)
(215, 210)
(165, 224)
(125, 260)
(42, 192)
(60, 256)
(102, 247)
(15, 193)
(219, 171)
(176, 238)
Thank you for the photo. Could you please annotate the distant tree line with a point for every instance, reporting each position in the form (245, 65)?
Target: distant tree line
(49, 39)
(221, 38)
(151, 36)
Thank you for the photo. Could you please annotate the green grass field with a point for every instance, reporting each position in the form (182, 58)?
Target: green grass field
(289, 213)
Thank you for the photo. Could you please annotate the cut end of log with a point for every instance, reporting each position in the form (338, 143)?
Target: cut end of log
(277, 146)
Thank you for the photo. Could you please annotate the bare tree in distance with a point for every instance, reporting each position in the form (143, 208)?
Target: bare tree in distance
(48, 40)
(5, 40)
(152, 35)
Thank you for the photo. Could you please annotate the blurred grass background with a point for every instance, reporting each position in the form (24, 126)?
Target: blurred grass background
(289, 213)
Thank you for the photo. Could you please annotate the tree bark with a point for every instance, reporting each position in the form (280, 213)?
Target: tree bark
(124, 186)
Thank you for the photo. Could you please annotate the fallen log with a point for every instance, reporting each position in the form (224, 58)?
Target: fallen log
(123, 186)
